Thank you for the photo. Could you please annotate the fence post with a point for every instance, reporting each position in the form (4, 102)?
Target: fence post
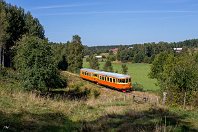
(164, 98)
(124, 97)
(184, 105)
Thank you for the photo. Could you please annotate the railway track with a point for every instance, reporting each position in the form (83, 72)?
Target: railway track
(137, 96)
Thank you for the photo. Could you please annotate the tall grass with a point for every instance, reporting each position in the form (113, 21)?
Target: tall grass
(110, 111)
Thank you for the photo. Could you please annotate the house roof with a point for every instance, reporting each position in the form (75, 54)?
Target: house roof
(116, 75)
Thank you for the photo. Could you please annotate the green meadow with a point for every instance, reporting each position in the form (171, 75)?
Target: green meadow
(138, 72)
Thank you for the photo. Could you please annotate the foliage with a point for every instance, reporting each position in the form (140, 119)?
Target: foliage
(18, 23)
(138, 58)
(75, 54)
(3, 34)
(177, 75)
(93, 62)
(124, 69)
(157, 66)
(108, 66)
(60, 55)
(68, 56)
(141, 52)
(137, 87)
(96, 93)
(34, 62)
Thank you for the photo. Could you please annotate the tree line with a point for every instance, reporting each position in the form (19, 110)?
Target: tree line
(24, 48)
(139, 53)
(15, 23)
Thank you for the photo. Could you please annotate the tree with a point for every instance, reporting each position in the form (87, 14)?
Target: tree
(3, 34)
(108, 66)
(33, 26)
(35, 63)
(15, 23)
(60, 55)
(177, 75)
(157, 66)
(139, 57)
(62, 64)
(75, 54)
(124, 69)
(93, 62)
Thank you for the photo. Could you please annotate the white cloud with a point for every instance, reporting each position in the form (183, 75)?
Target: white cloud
(62, 6)
(119, 12)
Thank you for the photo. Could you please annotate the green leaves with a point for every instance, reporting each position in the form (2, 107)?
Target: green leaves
(35, 63)
(176, 74)
(124, 69)
(93, 62)
(14, 23)
(108, 66)
(75, 54)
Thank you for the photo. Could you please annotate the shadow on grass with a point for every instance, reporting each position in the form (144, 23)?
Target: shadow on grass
(151, 120)
(73, 94)
(25, 121)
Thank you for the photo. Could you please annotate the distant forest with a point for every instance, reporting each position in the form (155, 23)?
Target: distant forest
(141, 52)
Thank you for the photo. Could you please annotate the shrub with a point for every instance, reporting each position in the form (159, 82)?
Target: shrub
(34, 61)
(137, 86)
(96, 93)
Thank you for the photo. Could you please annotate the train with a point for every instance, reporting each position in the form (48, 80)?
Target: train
(113, 80)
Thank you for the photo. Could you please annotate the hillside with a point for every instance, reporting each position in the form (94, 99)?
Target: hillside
(84, 106)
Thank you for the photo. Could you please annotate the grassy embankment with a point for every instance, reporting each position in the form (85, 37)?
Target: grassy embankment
(77, 109)
(138, 72)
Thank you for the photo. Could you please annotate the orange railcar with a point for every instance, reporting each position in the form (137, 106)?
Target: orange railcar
(114, 80)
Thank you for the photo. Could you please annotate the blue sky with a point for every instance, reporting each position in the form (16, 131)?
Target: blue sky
(106, 22)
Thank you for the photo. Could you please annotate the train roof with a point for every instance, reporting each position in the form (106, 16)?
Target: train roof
(116, 75)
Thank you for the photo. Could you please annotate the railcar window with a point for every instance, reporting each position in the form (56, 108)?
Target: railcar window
(95, 75)
(102, 78)
(122, 80)
(114, 80)
(110, 79)
(129, 79)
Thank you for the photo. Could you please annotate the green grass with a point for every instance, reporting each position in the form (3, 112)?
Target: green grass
(138, 72)
(24, 111)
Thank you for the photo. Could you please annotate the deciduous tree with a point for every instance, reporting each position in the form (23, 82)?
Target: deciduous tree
(35, 63)
(93, 62)
(124, 69)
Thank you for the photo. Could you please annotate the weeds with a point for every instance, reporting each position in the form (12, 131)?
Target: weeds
(102, 110)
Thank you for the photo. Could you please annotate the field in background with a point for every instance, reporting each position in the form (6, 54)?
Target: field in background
(138, 72)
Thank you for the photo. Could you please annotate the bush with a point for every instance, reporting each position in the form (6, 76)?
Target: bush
(137, 87)
(96, 93)
(34, 61)
(2, 71)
